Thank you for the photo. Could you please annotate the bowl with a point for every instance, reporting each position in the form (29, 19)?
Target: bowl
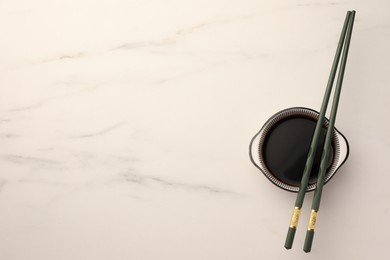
(279, 150)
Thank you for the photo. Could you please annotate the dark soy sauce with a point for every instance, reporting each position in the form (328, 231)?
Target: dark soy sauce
(286, 147)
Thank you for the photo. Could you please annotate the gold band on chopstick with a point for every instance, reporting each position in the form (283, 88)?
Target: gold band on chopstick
(312, 220)
(295, 217)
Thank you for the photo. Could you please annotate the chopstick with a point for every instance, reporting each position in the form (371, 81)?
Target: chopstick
(329, 136)
(314, 144)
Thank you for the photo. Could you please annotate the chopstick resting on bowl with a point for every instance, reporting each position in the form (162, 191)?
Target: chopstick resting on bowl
(347, 30)
(329, 135)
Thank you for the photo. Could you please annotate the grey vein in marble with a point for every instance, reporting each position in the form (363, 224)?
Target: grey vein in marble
(34, 105)
(141, 179)
(74, 56)
(2, 120)
(2, 184)
(45, 60)
(142, 44)
(43, 102)
(317, 4)
(178, 34)
(237, 58)
(101, 132)
(7, 135)
(21, 159)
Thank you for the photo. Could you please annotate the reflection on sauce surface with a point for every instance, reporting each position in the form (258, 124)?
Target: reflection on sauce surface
(286, 146)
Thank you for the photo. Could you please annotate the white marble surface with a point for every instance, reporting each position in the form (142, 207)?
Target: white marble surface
(124, 128)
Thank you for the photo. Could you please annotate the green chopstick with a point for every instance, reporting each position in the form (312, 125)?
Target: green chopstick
(314, 143)
(329, 136)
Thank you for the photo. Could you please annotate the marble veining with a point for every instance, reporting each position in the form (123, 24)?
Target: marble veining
(125, 125)
(20, 159)
(101, 132)
(131, 177)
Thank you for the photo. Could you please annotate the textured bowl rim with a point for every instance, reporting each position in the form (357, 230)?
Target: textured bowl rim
(268, 125)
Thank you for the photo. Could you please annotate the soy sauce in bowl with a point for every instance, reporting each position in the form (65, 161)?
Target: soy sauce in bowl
(286, 147)
(283, 144)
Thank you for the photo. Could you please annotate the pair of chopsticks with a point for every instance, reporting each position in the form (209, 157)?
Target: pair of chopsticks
(345, 35)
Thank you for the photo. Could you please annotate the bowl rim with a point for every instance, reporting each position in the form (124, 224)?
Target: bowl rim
(338, 137)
